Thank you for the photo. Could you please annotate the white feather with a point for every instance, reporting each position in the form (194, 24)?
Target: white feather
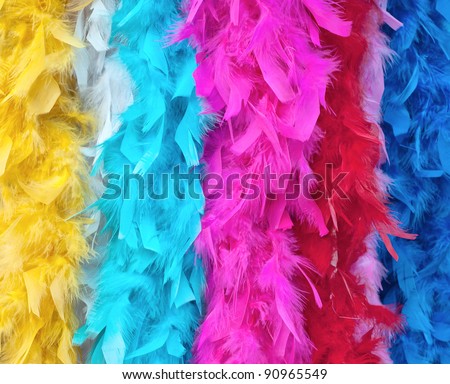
(106, 90)
(104, 82)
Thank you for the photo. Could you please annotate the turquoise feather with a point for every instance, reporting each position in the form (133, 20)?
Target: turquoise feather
(148, 290)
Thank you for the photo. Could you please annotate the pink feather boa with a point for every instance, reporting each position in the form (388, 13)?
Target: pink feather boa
(261, 69)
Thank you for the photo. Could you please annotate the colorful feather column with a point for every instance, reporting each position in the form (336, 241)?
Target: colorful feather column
(368, 269)
(104, 82)
(149, 284)
(351, 327)
(106, 90)
(416, 108)
(42, 183)
(262, 69)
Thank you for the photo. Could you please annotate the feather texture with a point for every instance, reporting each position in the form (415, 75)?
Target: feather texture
(106, 90)
(262, 69)
(42, 174)
(148, 288)
(417, 131)
(368, 270)
(105, 84)
(352, 326)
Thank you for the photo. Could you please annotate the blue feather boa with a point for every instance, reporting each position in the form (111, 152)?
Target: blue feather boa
(149, 285)
(417, 128)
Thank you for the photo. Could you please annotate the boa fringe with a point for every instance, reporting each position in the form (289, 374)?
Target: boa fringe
(42, 173)
(148, 289)
(352, 326)
(268, 96)
(418, 135)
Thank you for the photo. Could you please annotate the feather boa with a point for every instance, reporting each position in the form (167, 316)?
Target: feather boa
(149, 285)
(262, 70)
(106, 90)
(104, 82)
(41, 183)
(351, 327)
(417, 115)
(368, 269)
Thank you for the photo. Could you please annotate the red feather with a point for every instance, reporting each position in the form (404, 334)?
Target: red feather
(349, 328)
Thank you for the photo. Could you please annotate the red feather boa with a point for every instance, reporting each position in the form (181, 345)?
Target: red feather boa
(348, 329)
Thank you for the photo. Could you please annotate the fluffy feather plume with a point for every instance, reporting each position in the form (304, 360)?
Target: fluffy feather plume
(42, 175)
(351, 327)
(147, 292)
(106, 91)
(368, 269)
(262, 69)
(104, 82)
(418, 135)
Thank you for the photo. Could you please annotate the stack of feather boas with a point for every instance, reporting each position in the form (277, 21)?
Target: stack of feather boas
(235, 181)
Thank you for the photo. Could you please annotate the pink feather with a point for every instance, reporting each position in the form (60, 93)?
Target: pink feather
(261, 68)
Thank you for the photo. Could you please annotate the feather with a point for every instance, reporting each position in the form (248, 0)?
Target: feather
(42, 183)
(417, 88)
(260, 69)
(352, 326)
(368, 270)
(104, 82)
(106, 91)
(147, 284)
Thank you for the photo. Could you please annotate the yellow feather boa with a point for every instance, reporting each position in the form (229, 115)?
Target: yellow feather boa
(43, 180)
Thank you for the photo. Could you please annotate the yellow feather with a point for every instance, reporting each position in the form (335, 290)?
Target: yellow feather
(5, 149)
(46, 191)
(77, 5)
(35, 289)
(57, 289)
(42, 182)
(31, 65)
(43, 95)
(62, 34)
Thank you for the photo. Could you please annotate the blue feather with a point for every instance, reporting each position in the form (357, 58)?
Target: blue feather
(416, 105)
(148, 291)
